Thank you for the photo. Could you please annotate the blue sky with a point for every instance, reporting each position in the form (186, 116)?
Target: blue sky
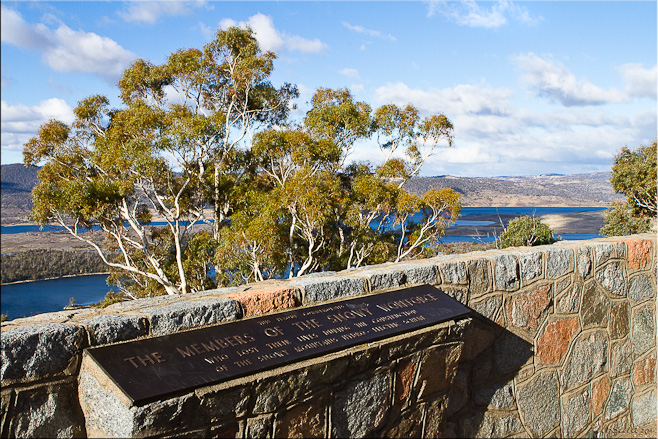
(531, 87)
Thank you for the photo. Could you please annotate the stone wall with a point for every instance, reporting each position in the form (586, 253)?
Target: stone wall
(562, 342)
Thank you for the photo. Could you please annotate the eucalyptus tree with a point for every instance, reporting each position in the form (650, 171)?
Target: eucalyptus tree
(172, 148)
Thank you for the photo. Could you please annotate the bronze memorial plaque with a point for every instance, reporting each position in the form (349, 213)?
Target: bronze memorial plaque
(153, 368)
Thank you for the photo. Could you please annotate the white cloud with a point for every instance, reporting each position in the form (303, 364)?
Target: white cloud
(464, 98)
(269, 38)
(21, 122)
(371, 32)
(470, 13)
(350, 73)
(551, 79)
(150, 11)
(493, 136)
(14, 30)
(66, 50)
(640, 82)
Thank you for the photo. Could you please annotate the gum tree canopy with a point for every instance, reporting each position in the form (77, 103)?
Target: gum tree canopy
(203, 144)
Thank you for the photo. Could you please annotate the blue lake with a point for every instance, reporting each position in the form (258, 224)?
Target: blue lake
(465, 212)
(29, 298)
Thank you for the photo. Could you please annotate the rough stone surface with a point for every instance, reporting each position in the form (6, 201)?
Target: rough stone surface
(620, 397)
(576, 414)
(506, 272)
(603, 252)
(618, 326)
(404, 379)
(531, 264)
(595, 306)
(640, 287)
(489, 307)
(583, 262)
(420, 274)
(588, 357)
(539, 402)
(183, 315)
(383, 278)
(35, 352)
(453, 272)
(644, 409)
(458, 395)
(360, 408)
(568, 302)
(558, 261)
(255, 302)
(643, 330)
(501, 397)
(304, 420)
(553, 344)
(479, 277)
(437, 369)
(259, 427)
(50, 411)
(490, 425)
(639, 252)
(229, 402)
(612, 278)
(621, 358)
(321, 289)
(114, 328)
(435, 418)
(510, 353)
(600, 392)
(528, 310)
(105, 415)
(644, 371)
(409, 424)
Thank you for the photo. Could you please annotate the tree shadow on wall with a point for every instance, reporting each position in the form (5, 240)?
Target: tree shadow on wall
(482, 402)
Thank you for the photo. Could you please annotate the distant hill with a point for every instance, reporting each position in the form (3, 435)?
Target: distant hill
(545, 190)
(16, 183)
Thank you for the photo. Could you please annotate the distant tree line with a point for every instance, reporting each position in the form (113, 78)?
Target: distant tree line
(45, 264)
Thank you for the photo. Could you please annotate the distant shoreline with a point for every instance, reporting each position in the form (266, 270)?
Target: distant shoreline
(53, 278)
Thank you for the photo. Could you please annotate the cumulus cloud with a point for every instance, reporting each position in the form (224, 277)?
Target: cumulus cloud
(370, 32)
(67, 50)
(492, 131)
(464, 98)
(151, 11)
(640, 82)
(269, 38)
(469, 13)
(551, 79)
(21, 122)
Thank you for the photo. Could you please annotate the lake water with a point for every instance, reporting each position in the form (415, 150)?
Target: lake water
(25, 299)
(465, 212)
(29, 298)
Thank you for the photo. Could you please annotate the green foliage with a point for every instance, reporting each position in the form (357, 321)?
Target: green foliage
(525, 231)
(282, 201)
(4, 317)
(634, 175)
(622, 220)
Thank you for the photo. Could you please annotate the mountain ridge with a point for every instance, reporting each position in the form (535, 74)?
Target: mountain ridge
(591, 189)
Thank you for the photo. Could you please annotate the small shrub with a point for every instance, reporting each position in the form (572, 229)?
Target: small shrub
(110, 298)
(525, 231)
(621, 220)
